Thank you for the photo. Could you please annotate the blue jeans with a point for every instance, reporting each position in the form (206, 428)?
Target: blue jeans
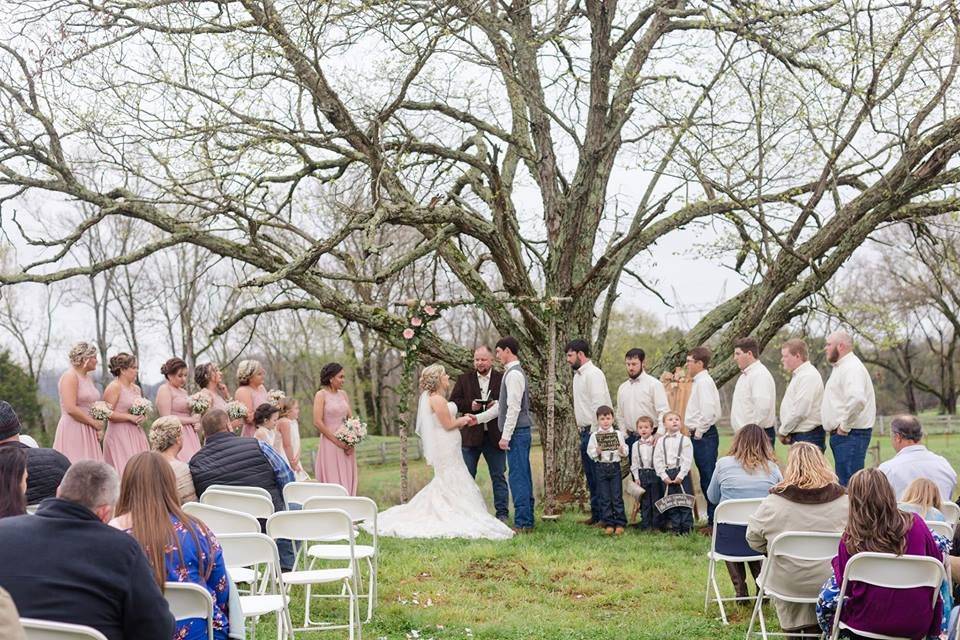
(815, 436)
(521, 478)
(849, 452)
(705, 452)
(497, 465)
(610, 485)
(590, 472)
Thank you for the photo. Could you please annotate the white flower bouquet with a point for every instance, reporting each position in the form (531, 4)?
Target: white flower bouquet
(352, 432)
(236, 410)
(198, 402)
(100, 410)
(140, 407)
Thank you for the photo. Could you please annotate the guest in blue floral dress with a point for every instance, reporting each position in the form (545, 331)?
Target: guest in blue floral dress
(178, 547)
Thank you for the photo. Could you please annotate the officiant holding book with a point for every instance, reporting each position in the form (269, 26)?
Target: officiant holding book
(473, 392)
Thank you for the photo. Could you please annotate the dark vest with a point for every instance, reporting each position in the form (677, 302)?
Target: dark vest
(226, 458)
(523, 419)
(45, 469)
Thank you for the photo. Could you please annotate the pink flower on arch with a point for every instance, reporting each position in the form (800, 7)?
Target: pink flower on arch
(408, 333)
(415, 321)
(430, 310)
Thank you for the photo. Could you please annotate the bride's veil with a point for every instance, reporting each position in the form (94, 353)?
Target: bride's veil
(425, 427)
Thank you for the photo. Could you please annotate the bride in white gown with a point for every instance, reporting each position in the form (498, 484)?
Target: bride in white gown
(451, 506)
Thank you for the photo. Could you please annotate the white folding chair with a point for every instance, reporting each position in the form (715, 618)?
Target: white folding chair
(361, 510)
(320, 525)
(188, 600)
(250, 503)
(300, 492)
(889, 571)
(730, 512)
(258, 549)
(951, 512)
(222, 521)
(943, 528)
(804, 547)
(48, 630)
(257, 491)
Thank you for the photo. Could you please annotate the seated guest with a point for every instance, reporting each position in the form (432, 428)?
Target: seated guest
(748, 470)
(228, 459)
(45, 467)
(166, 438)
(67, 565)
(875, 524)
(922, 497)
(10, 627)
(808, 499)
(913, 460)
(179, 548)
(13, 482)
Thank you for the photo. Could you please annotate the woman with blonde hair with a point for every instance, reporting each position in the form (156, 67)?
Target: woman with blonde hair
(922, 497)
(178, 547)
(78, 434)
(809, 498)
(747, 471)
(451, 505)
(288, 430)
(250, 391)
(166, 438)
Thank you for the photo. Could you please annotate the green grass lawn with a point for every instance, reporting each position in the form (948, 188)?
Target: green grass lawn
(564, 581)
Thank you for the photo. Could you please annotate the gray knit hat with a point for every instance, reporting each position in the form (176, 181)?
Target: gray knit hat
(9, 422)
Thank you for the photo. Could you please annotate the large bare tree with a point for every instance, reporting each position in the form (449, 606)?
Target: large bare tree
(538, 148)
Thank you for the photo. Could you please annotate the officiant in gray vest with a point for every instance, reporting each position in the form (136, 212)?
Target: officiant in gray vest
(473, 392)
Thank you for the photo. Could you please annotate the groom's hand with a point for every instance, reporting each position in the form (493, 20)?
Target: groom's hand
(505, 444)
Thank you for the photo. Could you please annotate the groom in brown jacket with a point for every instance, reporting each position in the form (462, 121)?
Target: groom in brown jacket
(483, 383)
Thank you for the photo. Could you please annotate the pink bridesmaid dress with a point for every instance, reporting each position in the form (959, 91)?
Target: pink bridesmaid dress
(124, 439)
(259, 397)
(180, 406)
(76, 440)
(216, 401)
(333, 464)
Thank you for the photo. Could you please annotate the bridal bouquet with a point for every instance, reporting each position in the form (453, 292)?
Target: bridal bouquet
(236, 410)
(352, 432)
(140, 407)
(275, 397)
(198, 402)
(100, 410)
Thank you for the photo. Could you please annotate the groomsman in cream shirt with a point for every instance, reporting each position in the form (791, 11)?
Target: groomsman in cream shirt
(701, 415)
(800, 407)
(755, 395)
(640, 395)
(849, 406)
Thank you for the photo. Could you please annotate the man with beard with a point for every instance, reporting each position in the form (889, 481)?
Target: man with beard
(473, 392)
(590, 392)
(640, 395)
(849, 406)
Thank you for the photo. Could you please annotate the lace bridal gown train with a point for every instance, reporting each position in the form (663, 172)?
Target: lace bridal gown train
(451, 505)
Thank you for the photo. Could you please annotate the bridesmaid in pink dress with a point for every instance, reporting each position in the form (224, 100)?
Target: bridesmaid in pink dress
(331, 406)
(78, 434)
(125, 437)
(210, 380)
(172, 400)
(251, 392)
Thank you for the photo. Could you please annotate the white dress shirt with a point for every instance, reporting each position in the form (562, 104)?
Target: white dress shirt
(754, 398)
(484, 382)
(703, 406)
(606, 456)
(589, 393)
(516, 385)
(848, 397)
(641, 456)
(665, 455)
(641, 396)
(916, 461)
(800, 407)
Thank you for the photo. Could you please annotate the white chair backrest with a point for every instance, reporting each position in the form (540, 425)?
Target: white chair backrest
(248, 549)
(47, 630)
(221, 520)
(943, 528)
(950, 511)
(300, 492)
(315, 524)
(257, 491)
(736, 511)
(805, 545)
(256, 506)
(188, 600)
(895, 572)
(359, 508)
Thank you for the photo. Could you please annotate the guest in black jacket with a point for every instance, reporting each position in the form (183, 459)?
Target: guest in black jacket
(45, 467)
(483, 383)
(67, 565)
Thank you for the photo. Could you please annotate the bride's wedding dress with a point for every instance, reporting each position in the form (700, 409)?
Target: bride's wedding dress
(451, 505)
